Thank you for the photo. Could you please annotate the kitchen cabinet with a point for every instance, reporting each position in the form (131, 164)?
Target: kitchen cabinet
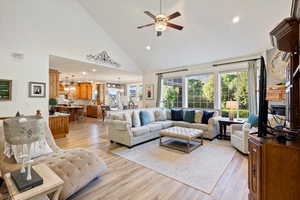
(53, 83)
(83, 91)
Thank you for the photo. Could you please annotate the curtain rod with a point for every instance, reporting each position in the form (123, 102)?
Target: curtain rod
(234, 62)
(180, 70)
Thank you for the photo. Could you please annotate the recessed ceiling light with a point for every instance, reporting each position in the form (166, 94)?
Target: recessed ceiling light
(94, 70)
(148, 48)
(83, 73)
(236, 19)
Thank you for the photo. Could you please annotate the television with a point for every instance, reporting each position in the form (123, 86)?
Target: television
(263, 103)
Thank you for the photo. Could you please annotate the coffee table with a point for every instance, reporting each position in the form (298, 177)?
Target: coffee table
(187, 134)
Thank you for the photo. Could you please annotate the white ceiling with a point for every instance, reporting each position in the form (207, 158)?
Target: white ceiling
(208, 34)
(69, 68)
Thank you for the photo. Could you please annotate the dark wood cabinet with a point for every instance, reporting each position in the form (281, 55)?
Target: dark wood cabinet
(274, 169)
(254, 170)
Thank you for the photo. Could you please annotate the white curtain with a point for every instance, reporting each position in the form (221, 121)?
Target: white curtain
(252, 86)
(158, 96)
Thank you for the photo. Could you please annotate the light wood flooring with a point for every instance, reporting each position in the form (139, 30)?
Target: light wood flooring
(126, 180)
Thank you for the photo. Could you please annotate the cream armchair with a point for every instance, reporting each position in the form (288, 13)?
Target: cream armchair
(239, 136)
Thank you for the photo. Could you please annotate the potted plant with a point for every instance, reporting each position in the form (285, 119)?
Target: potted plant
(52, 103)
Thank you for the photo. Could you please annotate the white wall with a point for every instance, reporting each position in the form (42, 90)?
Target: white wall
(39, 28)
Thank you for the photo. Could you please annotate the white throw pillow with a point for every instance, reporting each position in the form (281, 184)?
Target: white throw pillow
(160, 115)
(128, 118)
(136, 122)
(169, 115)
(198, 116)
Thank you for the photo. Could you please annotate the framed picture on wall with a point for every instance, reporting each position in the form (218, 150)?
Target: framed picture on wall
(5, 90)
(149, 92)
(37, 89)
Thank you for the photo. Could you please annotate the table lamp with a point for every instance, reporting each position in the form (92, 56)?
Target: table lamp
(232, 105)
(21, 131)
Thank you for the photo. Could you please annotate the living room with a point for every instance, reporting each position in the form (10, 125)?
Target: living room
(207, 99)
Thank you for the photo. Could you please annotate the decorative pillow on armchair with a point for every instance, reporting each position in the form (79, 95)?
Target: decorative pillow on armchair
(177, 115)
(206, 116)
(253, 120)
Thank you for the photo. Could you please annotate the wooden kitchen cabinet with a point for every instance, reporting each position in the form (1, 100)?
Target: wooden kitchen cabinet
(93, 111)
(59, 125)
(53, 83)
(84, 91)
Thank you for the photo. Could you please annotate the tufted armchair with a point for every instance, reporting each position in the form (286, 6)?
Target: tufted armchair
(76, 167)
(239, 136)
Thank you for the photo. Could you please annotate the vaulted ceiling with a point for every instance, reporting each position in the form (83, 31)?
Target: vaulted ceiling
(208, 34)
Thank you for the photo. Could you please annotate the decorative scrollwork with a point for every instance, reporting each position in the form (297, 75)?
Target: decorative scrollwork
(102, 58)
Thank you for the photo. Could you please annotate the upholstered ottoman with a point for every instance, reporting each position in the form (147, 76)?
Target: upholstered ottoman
(187, 134)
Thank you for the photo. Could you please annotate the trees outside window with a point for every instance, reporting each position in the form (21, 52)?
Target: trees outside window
(172, 92)
(201, 91)
(234, 87)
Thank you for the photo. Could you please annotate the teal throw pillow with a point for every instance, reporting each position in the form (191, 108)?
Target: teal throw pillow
(189, 116)
(145, 118)
(253, 120)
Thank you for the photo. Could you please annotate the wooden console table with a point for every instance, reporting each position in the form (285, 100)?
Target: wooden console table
(223, 123)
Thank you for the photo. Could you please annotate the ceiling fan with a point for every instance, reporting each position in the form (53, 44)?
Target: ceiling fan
(161, 22)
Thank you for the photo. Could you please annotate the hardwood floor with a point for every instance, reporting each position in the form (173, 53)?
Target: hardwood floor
(126, 180)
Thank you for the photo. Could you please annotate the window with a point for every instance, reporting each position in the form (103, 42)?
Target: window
(172, 92)
(201, 91)
(234, 87)
(135, 92)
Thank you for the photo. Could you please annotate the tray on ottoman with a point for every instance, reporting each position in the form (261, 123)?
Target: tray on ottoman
(190, 135)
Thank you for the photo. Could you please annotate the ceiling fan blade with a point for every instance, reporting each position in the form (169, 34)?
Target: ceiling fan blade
(158, 33)
(145, 25)
(175, 26)
(150, 15)
(174, 15)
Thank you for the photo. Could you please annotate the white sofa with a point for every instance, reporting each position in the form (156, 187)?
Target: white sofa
(122, 131)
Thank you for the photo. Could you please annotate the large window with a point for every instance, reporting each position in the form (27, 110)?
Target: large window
(201, 91)
(234, 87)
(172, 92)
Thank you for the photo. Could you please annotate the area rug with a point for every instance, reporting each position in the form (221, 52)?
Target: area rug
(200, 169)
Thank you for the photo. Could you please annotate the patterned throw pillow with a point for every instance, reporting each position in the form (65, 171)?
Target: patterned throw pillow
(136, 122)
(198, 116)
(160, 115)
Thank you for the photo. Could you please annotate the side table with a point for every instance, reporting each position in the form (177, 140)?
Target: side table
(52, 185)
(223, 123)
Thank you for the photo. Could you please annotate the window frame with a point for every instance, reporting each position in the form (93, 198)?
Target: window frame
(187, 90)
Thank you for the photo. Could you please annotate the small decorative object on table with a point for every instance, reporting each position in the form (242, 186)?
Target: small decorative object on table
(23, 130)
(232, 105)
(52, 103)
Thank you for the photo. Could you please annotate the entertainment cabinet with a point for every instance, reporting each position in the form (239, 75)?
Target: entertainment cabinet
(274, 168)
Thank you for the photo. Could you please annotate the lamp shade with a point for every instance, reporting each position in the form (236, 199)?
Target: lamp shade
(232, 105)
(23, 130)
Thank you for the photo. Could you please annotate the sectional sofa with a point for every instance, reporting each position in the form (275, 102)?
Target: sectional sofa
(124, 127)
